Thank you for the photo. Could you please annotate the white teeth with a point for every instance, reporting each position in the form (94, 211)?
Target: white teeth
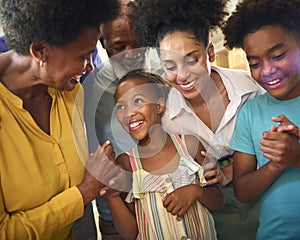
(185, 86)
(135, 124)
(273, 82)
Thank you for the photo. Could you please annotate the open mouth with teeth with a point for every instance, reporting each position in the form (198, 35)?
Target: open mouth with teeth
(273, 82)
(134, 125)
(188, 86)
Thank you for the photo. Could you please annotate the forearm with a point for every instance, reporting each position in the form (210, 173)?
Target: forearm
(211, 197)
(228, 172)
(44, 220)
(253, 184)
(123, 219)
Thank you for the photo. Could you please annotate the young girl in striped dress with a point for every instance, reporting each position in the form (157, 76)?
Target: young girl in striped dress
(170, 198)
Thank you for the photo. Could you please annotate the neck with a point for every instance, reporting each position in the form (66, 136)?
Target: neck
(154, 143)
(17, 74)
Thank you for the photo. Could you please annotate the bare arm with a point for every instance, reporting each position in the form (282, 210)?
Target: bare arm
(248, 182)
(122, 213)
(123, 218)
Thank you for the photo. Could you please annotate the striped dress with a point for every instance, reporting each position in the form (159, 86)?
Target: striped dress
(148, 192)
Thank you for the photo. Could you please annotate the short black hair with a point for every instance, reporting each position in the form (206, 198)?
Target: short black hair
(251, 15)
(160, 86)
(57, 22)
(153, 19)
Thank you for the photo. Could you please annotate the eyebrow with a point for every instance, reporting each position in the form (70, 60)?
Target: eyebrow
(188, 55)
(274, 48)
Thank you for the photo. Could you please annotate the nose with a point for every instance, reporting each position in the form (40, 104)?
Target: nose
(130, 111)
(267, 69)
(132, 54)
(182, 73)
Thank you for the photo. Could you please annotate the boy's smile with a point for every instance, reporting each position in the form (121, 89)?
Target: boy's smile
(274, 57)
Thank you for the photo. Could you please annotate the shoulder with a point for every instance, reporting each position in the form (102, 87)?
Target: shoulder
(240, 81)
(233, 72)
(258, 100)
(124, 161)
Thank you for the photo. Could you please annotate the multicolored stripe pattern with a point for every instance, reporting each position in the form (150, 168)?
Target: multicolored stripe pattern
(154, 222)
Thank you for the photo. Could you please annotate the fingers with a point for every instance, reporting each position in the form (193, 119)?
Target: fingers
(106, 171)
(214, 175)
(285, 126)
(172, 206)
(108, 149)
(208, 157)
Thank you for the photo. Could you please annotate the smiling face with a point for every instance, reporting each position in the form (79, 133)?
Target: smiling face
(138, 107)
(274, 59)
(63, 66)
(184, 61)
(120, 43)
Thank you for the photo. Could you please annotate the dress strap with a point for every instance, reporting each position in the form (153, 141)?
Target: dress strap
(180, 144)
(135, 159)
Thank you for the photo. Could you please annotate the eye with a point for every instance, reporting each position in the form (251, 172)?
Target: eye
(279, 56)
(138, 101)
(117, 49)
(192, 62)
(120, 106)
(254, 64)
(170, 67)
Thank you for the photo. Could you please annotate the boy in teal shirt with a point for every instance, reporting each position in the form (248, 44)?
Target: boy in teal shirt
(267, 157)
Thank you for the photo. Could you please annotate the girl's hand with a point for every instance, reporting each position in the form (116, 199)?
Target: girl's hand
(180, 200)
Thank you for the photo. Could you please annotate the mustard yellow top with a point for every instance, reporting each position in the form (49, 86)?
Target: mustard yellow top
(38, 172)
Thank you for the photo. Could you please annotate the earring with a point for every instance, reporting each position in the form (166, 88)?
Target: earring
(41, 63)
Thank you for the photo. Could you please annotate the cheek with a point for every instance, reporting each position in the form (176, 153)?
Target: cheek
(255, 74)
(171, 77)
(119, 116)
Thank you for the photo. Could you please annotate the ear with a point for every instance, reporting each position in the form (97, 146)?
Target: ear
(211, 52)
(38, 50)
(101, 39)
(161, 105)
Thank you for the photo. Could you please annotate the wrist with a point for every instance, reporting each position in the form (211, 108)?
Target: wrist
(275, 168)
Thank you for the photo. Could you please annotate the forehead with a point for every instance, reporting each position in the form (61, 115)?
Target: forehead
(118, 26)
(85, 43)
(135, 86)
(266, 38)
(179, 44)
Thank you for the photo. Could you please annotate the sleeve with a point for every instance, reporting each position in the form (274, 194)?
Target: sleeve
(241, 140)
(38, 223)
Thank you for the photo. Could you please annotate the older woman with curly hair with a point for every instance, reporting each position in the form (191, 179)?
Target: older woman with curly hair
(44, 185)
(204, 100)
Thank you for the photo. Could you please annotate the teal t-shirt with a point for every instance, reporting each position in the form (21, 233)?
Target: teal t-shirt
(280, 204)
